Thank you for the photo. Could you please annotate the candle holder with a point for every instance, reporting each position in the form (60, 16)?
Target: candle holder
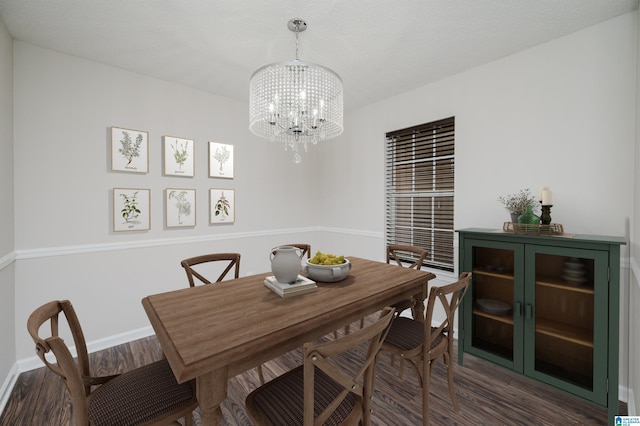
(545, 217)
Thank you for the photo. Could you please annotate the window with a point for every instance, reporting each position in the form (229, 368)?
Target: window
(419, 193)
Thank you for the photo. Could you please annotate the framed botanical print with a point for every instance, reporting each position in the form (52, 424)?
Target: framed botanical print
(180, 207)
(178, 156)
(220, 160)
(222, 205)
(129, 150)
(131, 209)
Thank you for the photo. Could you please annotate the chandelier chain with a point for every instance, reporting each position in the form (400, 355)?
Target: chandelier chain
(297, 32)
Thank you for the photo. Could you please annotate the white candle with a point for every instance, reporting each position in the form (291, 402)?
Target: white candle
(546, 197)
(542, 189)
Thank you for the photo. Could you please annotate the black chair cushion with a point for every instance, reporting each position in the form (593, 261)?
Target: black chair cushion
(138, 396)
(281, 400)
(407, 334)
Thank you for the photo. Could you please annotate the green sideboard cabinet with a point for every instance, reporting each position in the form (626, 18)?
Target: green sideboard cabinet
(546, 307)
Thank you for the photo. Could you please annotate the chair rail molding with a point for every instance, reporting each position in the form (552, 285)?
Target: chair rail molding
(102, 247)
(113, 246)
(7, 260)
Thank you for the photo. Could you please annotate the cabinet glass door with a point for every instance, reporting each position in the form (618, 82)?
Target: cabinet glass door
(491, 317)
(561, 317)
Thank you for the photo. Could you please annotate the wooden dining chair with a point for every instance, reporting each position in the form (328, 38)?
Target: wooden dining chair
(420, 343)
(318, 392)
(233, 260)
(145, 395)
(410, 257)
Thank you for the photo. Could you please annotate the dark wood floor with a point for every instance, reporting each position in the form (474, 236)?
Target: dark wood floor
(488, 394)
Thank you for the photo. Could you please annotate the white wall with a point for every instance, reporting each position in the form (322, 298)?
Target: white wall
(63, 178)
(64, 107)
(561, 114)
(7, 313)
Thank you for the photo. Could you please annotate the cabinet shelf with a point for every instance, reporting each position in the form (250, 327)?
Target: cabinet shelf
(576, 335)
(507, 319)
(563, 285)
(503, 275)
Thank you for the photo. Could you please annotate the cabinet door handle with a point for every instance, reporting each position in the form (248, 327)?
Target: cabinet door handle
(519, 309)
(528, 311)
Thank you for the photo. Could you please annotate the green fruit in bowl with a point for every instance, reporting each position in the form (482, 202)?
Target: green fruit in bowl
(326, 259)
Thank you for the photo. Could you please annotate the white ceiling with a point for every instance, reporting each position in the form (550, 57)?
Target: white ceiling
(379, 47)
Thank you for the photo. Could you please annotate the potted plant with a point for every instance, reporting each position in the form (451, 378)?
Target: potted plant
(517, 203)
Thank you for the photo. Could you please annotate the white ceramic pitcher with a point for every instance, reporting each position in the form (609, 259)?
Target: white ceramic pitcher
(285, 263)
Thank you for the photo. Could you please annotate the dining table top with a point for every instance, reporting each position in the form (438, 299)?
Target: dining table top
(240, 323)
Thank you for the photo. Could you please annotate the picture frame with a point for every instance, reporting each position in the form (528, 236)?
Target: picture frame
(129, 150)
(178, 156)
(221, 160)
(222, 205)
(180, 207)
(131, 209)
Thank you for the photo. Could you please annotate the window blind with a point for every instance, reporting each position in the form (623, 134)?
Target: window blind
(419, 190)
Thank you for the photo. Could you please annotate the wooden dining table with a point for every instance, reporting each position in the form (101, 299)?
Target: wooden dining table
(214, 332)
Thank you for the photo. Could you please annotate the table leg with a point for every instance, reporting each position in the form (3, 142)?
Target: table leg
(418, 308)
(211, 390)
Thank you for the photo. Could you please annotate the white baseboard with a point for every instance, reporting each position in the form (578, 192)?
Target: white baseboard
(7, 386)
(631, 403)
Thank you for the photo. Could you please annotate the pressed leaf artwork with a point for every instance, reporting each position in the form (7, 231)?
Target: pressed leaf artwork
(131, 209)
(222, 155)
(222, 206)
(180, 209)
(222, 209)
(220, 160)
(178, 156)
(129, 150)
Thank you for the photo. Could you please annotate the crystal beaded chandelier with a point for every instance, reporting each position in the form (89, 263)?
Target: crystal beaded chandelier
(295, 102)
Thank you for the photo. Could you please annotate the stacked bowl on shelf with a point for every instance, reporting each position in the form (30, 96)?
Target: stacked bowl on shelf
(574, 271)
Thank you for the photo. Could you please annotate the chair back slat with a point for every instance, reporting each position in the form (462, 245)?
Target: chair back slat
(449, 297)
(402, 253)
(65, 366)
(233, 260)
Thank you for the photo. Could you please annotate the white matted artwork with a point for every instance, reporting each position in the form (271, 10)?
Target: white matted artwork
(222, 205)
(131, 209)
(129, 150)
(220, 160)
(178, 156)
(180, 207)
